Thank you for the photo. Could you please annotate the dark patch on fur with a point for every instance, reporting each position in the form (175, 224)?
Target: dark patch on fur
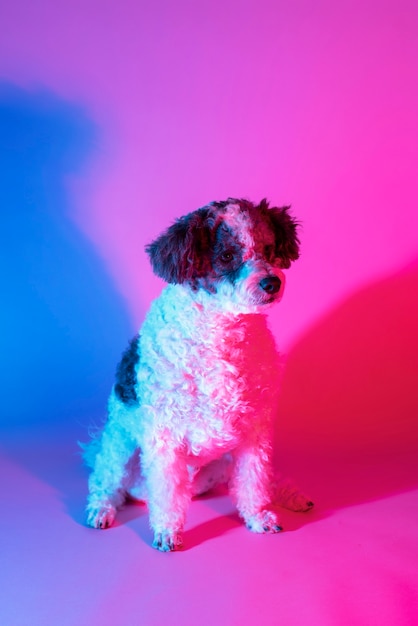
(181, 253)
(126, 374)
(284, 227)
(227, 253)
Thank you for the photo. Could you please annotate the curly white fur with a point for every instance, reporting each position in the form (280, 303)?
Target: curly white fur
(205, 388)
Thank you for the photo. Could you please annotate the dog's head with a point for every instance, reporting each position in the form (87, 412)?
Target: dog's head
(234, 249)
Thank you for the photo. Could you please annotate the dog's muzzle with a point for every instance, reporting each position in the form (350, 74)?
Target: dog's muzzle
(270, 284)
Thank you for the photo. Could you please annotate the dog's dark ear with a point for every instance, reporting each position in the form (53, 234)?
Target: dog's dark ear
(182, 253)
(285, 228)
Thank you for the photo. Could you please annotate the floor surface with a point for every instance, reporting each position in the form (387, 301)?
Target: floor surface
(353, 560)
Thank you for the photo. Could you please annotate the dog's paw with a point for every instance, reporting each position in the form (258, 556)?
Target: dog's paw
(287, 495)
(264, 522)
(167, 541)
(101, 517)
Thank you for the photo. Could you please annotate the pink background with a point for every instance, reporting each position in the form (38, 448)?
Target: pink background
(117, 117)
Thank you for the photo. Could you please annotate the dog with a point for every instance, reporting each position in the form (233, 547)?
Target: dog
(196, 391)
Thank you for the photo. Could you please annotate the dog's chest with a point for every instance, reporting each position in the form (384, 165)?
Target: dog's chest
(209, 375)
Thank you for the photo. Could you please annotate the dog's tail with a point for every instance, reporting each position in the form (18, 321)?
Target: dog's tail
(89, 449)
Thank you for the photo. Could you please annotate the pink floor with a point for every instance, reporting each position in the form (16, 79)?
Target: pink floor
(353, 560)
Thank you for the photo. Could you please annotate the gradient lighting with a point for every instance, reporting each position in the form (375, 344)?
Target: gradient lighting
(117, 118)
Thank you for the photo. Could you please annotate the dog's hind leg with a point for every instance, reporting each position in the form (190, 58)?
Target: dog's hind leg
(215, 473)
(286, 494)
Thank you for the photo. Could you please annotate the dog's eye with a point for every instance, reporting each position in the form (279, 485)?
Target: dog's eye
(269, 252)
(226, 257)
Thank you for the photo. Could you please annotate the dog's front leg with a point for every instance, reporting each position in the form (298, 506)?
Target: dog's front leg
(169, 491)
(250, 486)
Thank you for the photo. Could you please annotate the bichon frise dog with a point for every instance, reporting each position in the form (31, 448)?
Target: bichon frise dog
(196, 391)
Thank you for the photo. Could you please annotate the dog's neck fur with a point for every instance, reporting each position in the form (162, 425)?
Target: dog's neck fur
(182, 298)
(198, 317)
(224, 355)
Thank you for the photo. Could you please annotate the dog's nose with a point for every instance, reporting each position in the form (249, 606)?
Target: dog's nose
(271, 284)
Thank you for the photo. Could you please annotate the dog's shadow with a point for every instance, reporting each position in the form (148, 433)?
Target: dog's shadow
(348, 424)
(57, 356)
(134, 514)
(211, 529)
